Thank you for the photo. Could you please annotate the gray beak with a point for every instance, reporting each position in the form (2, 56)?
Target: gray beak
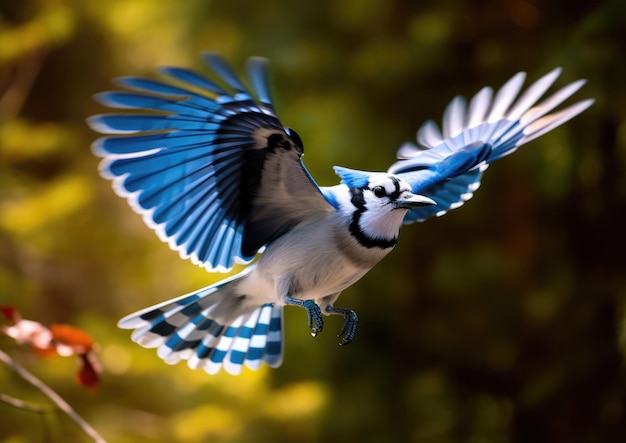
(408, 200)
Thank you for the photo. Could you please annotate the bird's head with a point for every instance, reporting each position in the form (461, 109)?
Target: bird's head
(378, 204)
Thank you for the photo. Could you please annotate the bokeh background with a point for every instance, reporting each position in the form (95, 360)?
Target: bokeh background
(501, 322)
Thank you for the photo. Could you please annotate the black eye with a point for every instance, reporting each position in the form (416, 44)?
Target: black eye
(379, 191)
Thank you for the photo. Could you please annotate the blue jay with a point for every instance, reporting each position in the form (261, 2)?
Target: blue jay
(216, 175)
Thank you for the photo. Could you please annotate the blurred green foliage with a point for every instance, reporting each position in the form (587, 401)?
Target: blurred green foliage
(501, 322)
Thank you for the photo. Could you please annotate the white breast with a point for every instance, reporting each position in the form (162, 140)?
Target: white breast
(311, 261)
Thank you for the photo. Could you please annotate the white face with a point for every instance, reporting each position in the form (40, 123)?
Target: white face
(383, 191)
(382, 217)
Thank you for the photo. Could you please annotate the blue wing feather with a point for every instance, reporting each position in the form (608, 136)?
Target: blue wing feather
(143, 123)
(194, 169)
(257, 71)
(448, 166)
(132, 100)
(192, 78)
(225, 72)
(191, 98)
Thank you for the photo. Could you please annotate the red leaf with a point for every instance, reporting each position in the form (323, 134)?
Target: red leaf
(10, 313)
(59, 339)
(77, 340)
(88, 373)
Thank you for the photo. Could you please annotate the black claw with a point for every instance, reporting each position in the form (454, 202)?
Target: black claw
(314, 313)
(348, 330)
(316, 323)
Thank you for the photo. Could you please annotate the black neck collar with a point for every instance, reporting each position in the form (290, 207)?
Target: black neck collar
(357, 199)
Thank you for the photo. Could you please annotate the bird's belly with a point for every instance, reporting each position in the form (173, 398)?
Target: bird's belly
(312, 261)
(305, 273)
(324, 277)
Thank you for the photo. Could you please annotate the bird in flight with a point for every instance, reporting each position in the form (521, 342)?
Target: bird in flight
(212, 170)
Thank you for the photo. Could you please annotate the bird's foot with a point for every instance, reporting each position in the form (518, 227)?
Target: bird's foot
(314, 313)
(349, 325)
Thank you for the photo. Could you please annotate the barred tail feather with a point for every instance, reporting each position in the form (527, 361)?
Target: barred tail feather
(210, 330)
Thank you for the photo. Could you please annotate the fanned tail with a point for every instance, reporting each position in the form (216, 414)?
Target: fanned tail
(212, 329)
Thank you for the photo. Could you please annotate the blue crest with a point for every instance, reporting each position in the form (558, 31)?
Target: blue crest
(353, 178)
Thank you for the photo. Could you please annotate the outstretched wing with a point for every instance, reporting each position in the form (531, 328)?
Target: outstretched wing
(213, 172)
(448, 164)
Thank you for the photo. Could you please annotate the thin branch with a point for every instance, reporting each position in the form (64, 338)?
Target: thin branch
(56, 398)
(41, 411)
(21, 404)
(20, 85)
